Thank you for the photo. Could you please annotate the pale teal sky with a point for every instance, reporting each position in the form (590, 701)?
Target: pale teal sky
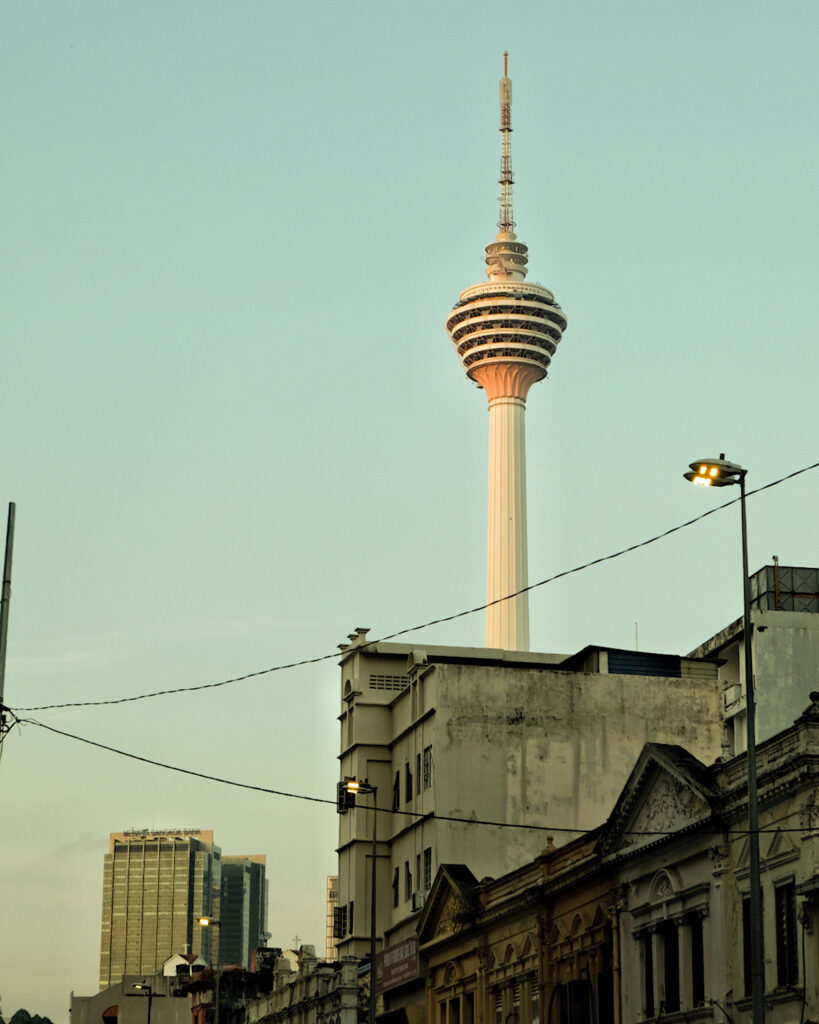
(233, 424)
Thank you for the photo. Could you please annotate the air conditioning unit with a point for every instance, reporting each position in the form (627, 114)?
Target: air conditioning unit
(418, 900)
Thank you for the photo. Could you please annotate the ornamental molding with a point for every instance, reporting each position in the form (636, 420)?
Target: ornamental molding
(506, 380)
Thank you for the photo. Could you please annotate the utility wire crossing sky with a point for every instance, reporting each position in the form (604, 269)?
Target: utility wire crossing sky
(774, 827)
(432, 622)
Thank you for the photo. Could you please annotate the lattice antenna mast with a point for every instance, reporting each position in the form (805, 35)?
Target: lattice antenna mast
(506, 223)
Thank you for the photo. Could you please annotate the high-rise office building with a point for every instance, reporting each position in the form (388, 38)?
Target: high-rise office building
(244, 908)
(156, 886)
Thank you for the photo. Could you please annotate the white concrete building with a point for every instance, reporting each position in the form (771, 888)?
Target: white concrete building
(498, 736)
(784, 648)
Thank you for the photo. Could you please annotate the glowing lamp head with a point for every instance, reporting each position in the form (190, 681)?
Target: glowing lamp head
(714, 472)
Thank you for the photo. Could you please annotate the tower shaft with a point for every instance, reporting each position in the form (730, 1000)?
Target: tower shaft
(507, 622)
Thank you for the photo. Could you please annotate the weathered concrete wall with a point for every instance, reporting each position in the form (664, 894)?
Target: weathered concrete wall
(551, 748)
(786, 667)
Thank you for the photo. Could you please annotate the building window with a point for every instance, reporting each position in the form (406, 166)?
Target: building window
(407, 782)
(469, 1008)
(671, 966)
(427, 869)
(605, 981)
(417, 774)
(350, 917)
(395, 888)
(498, 1006)
(427, 767)
(787, 958)
(407, 881)
(534, 997)
(396, 791)
(339, 922)
(574, 1001)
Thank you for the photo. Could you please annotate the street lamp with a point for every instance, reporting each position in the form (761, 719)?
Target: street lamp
(354, 786)
(721, 473)
(149, 989)
(206, 922)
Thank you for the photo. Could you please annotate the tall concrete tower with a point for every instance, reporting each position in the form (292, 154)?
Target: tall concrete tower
(505, 333)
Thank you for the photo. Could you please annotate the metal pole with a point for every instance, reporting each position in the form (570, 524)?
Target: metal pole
(150, 1000)
(372, 907)
(216, 992)
(5, 601)
(757, 958)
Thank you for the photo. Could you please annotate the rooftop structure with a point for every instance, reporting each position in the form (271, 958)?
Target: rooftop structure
(785, 651)
(505, 333)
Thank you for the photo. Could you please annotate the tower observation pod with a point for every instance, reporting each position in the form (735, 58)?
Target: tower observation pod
(505, 333)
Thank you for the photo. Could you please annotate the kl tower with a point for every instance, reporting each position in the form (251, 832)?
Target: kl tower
(505, 333)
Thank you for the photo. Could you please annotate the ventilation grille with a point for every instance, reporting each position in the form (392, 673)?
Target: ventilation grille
(380, 682)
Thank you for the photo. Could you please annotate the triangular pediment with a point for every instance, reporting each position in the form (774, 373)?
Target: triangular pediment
(450, 905)
(780, 849)
(668, 791)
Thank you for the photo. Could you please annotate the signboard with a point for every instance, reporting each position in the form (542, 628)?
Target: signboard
(397, 964)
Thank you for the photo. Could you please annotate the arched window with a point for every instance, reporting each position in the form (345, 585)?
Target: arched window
(572, 1003)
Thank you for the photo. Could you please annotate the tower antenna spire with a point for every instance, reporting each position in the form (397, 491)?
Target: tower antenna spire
(506, 222)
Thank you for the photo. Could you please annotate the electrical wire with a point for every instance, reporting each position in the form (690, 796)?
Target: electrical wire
(423, 625)
(390, 810)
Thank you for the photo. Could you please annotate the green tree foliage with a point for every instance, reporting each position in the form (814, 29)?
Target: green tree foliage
(24, 1017)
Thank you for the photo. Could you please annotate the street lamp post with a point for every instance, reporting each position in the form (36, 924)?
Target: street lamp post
(207, 922)
(353, 786)
(149, 989)
(721, 473)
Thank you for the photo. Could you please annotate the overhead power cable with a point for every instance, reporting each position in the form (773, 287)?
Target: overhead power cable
(390, 810)
(423, 625)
